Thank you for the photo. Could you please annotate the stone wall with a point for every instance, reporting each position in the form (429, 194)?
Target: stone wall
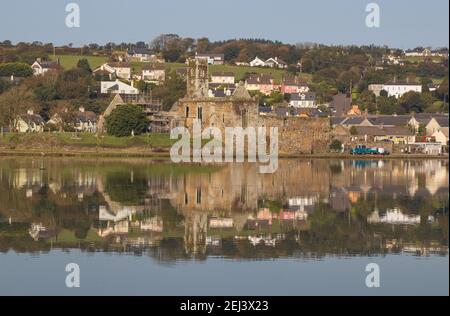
(300, 135)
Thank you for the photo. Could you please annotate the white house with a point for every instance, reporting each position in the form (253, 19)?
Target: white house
(29, 123)
(213, 59)
(154, 72)
(276, 63)
(85, 121)
(222, 77)
(140, 54)
(257, 62)
(119, 69)
(399, 88)
(117, 87)
(41, 67)
(303, 100)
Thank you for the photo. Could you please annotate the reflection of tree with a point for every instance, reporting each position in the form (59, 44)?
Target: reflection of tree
(127, 187)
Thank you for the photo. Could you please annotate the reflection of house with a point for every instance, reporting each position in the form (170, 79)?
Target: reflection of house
(220, 222)
(395, 216)
(38, 231)
(154, 224)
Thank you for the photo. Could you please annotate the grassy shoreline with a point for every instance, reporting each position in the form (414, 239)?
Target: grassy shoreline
(146, 146)
(139, 153)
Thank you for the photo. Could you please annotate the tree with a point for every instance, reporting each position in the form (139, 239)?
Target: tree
(353, 131)
(336, 145)
(127, 120)
(84, 67)
(14, 102)
(412, 102)
(171, 91)
(16, 69)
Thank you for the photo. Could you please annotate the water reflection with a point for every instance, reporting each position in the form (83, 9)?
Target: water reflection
(306, 209)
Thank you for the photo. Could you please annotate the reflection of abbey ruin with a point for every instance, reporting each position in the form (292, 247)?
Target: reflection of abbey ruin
(139, 205)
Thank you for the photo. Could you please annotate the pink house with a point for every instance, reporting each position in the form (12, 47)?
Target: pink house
(292, 85)
(263, 83)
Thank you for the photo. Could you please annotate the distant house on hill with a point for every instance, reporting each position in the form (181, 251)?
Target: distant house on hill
(263, 83)
(293, 84)
(398, 88)
(154, 72)
(117, 87)
(257, 62)
(222, 77)
(276, 63)
(213, 59)
(140, 54)
(40, 67)
(118, 69)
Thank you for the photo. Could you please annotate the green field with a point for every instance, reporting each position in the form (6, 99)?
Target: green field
(70, 61)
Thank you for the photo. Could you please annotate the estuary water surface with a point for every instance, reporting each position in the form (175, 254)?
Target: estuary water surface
(154, 228)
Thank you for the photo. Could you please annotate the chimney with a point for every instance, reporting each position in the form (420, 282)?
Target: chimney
(30, 112)
(39, 60)
(81, 109)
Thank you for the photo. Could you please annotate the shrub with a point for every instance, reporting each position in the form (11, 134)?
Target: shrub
(125, 120)
(336, 145)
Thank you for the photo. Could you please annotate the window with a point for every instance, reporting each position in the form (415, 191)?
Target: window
(187, 111)
(199, 196)
(200, 113)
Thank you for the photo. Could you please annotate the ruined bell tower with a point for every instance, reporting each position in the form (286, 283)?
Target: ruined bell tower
(197, 78)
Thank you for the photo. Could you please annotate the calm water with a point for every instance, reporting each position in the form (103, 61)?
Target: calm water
(151, 227)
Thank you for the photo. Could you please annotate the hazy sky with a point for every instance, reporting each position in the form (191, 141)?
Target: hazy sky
(404, 23)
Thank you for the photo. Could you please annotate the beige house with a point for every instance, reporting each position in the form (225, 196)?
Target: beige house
(154, 72)
(222, 77)
(29, 123)
(436, 124)
(441, 136)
